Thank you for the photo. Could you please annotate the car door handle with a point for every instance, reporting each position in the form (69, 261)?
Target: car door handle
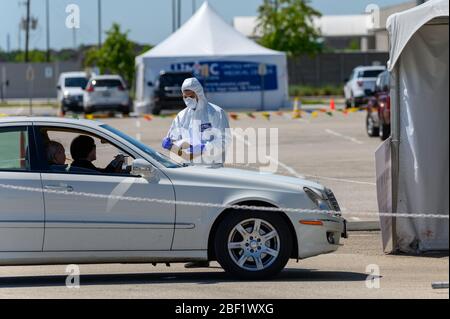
(64, 188)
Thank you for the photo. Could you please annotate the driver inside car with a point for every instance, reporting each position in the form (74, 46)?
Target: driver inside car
(84, 151)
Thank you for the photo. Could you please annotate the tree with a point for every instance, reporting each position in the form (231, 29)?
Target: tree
(287, 25)
(115, 56)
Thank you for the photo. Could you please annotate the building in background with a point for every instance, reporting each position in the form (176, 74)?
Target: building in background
(358, 32)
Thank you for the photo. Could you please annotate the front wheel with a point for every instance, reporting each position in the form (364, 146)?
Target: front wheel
(253, 245)
(385, 131)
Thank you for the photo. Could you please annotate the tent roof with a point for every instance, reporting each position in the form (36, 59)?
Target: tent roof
(207, 34)
(402, 26)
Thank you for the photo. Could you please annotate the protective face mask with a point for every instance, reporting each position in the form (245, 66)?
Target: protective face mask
(190, 103)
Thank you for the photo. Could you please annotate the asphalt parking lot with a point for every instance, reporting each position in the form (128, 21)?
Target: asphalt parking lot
(333, 150)
(343, 274)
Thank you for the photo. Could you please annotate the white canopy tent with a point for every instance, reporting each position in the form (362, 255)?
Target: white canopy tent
(419, 156)
(236, 72)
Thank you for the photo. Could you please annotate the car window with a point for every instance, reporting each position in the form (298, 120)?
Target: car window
(14, 149)
(109, 83)
(386, 82)
(162, 159)
(61, 154)
(369, 73)
(80, 82)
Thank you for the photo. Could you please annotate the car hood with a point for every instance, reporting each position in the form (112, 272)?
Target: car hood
(240, 178)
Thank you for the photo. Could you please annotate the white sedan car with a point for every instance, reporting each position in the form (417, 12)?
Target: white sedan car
(106, 93)
(150, 209)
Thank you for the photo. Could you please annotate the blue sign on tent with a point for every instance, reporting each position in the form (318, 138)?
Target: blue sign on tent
(231, 76)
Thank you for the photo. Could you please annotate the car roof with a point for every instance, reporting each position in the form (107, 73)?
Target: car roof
(37, 119)
(106, 77)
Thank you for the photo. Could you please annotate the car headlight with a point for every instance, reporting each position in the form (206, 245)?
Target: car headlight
(66, 94)
(317, 198)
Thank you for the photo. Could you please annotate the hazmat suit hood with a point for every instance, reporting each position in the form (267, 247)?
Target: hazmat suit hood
(194, 85)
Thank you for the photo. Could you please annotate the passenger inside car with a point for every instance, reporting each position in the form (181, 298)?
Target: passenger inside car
(84, 151)
(56, 155)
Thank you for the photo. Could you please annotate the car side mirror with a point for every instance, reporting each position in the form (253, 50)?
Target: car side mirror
(141, 167)
(346, 80)
(58, 87)
(150, 83)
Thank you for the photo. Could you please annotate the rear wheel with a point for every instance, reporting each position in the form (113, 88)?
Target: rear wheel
(371, 129)
(156, 110)
(253, 245)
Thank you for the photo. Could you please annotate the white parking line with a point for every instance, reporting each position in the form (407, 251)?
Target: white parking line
(352, 139)
(294, 172)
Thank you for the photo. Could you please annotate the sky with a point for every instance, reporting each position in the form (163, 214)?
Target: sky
(148, 21)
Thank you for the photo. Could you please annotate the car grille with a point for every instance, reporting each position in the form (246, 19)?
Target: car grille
(332, 200)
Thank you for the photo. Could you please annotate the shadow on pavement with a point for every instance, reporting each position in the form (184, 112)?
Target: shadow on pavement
(207, 277)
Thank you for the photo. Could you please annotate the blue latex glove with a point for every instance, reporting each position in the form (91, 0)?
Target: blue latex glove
(197, 149)
(167, 143)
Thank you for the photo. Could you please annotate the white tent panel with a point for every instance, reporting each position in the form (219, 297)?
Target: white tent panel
(225, 61)
(419, 62)
(424, 140)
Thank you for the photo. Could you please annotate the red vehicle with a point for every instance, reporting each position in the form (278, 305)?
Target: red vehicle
(378, 121)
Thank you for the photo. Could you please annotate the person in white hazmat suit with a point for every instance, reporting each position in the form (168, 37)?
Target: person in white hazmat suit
(200, 132)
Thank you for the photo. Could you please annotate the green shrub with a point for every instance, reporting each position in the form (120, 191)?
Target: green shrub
(309, 90)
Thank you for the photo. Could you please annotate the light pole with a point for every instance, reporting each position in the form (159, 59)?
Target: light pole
(99, 5)
(174, 13)
(27, 32)
(48, 30)
(179, 14)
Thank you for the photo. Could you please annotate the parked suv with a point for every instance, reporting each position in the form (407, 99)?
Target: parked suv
(361, 84)
(106, 93)
(168, 93)
(378, 121)
(70, 91)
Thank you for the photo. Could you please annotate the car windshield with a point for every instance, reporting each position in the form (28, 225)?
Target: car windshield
(173, 79)
(369, 73)
(164, 160)
(75, 82)
(107, 83)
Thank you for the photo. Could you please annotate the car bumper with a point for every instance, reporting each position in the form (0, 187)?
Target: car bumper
(315, 240)
(72, 104)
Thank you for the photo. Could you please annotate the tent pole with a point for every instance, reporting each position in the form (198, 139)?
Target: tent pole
(395, 122)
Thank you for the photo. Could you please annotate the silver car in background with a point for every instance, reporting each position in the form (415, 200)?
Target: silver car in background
(361, 84)
(106, 93)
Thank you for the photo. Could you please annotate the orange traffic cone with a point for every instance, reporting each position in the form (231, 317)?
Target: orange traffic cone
(332, 105)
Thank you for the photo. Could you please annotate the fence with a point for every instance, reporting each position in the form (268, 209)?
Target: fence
(42, 78)
(330, 68)
(325, 68)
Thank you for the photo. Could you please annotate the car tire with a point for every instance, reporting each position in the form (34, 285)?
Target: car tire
(156, 110)
(348, 104)
(385, 131)
(264, 265)
(371, 129)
